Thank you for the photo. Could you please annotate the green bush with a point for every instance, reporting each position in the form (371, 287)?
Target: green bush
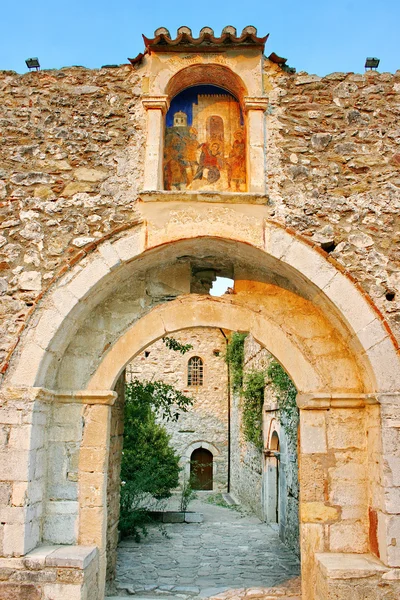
(150, 466)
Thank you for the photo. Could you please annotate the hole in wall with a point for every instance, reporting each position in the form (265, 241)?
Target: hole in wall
(390, 296)
(221, 286)
(329, 247)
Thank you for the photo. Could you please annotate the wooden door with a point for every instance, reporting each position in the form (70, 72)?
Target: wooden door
(201, 469)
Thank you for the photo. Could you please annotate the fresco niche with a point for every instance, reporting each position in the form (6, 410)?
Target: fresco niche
(205, 145)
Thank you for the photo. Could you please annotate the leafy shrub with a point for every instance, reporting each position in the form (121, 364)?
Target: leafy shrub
(150, 467)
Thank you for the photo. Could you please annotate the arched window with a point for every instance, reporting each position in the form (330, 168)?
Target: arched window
(195, 371)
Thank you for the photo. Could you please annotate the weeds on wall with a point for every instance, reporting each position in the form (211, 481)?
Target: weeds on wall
(286, 396)
(253, 401)
(234, 357)
(251, 387)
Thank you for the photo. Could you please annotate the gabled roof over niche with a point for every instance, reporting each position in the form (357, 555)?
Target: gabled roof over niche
(206, 42)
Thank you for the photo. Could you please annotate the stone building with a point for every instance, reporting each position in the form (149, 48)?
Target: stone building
(99, 260)
(205, 425)
(266, 480)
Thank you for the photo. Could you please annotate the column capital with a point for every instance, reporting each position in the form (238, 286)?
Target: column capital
(321, 401)
(255, 103)
(156, 102)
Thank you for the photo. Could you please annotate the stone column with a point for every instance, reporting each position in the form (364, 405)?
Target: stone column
(156, 108)
(387, 502)
(255, 109)
(92, 475)
(333, 474)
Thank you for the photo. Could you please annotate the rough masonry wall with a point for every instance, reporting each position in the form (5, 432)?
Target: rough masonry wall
(207, 420)
(71, 154)
(333, 162)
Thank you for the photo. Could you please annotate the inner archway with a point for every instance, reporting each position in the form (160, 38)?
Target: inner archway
(158, 360)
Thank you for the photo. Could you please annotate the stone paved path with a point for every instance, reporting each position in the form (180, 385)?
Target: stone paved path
(228, 551)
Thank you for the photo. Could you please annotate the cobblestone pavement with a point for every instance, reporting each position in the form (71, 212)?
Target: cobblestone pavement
(228, 551)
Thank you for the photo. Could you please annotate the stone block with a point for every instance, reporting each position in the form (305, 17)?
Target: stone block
(20, 591)
(14, 543)
(92, 489)
(61, 528)
(93, 459)
(346, 428)
(348, 536)
(14, 464)
(131, 245)
(72, 556)
(88, 278)
(346, 493)
(388, 536)
(318, 512)
(313, 432)
(192, 517)
(5, 494)
(62, 591)
(92, 526)
(36, 559)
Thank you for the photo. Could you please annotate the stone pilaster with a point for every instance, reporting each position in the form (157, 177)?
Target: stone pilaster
(255, 109)
(156, 108)
(333, 476)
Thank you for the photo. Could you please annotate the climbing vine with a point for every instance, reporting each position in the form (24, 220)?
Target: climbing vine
(234, 357)
(253, 400)
(286, 395)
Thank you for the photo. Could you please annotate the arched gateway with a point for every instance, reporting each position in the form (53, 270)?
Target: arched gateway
(136, 286)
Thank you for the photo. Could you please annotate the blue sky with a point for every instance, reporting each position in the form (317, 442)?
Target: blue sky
(316, 36)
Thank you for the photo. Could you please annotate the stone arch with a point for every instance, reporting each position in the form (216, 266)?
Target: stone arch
(206, 74)
(195, 446)
(299, 278)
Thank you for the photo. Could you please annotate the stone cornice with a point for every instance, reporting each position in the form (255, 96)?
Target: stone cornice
(156, 102)
(215, 197)
(255, 103)
(321, 401)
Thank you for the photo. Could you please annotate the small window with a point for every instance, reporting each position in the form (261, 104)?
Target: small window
(195, 371)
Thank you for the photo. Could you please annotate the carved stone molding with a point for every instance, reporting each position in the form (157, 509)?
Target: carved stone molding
(320, 401)
(106, 397)
(255, 103)
(156, 102)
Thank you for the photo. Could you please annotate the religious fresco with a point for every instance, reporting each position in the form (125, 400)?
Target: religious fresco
(205, 145)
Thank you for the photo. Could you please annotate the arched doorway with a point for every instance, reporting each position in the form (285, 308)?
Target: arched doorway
(273, 459)
(201, 469)
(306, 322)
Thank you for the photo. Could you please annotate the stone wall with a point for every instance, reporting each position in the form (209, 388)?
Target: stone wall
(71, 160)
(206, 422)
(253, 472)
(51, 572)
(333, 160)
